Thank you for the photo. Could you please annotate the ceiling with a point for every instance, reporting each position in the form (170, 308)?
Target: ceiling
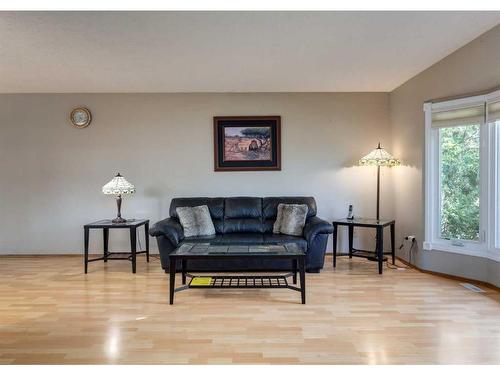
(226, 51)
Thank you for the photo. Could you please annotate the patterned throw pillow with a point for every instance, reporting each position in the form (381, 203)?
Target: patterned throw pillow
(290, 219)
(196, 221)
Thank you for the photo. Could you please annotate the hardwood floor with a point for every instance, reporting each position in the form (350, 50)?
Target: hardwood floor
(51, 312)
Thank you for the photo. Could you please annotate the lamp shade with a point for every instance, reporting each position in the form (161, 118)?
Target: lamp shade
(118, 186)
(379, 157)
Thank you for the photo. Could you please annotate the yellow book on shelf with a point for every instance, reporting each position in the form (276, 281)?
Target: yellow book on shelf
(201, 281)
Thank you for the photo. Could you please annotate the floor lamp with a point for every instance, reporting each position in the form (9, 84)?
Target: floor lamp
(379, 158)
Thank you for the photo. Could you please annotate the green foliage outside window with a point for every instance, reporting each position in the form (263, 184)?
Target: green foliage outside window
(460, 182)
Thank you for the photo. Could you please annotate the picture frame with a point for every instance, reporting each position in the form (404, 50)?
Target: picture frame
(247, 143)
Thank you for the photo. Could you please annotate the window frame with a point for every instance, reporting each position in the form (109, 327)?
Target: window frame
(488, 245)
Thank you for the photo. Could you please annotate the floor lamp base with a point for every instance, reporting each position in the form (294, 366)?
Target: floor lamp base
(375, 259)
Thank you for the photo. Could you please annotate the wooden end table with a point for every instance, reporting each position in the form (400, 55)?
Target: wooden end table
(106, 225)
(379, 225)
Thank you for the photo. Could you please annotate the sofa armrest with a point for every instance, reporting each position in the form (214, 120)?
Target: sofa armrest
(169, 228)
(315, 226)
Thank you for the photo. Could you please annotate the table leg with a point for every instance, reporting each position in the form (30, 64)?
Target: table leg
(351, 240)
(172, 279)
(133, 244)
(294, 271)
(86, 247)
(302, 270)
(334, 245)
(380, 248)
(146, 234)
(393, 244)
(184, 266)
(105, 240)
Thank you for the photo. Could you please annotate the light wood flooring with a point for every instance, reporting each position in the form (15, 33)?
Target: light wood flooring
(51, 313)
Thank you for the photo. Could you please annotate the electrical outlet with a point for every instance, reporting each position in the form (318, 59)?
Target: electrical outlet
(410, 238)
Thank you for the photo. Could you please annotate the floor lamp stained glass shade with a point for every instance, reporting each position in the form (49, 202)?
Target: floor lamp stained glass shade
(118, 186)
(379, 158)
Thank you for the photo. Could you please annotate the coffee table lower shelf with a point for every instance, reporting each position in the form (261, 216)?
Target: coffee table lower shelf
(239, 252)
(241, 282)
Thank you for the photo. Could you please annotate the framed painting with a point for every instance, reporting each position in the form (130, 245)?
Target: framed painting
(247, 143)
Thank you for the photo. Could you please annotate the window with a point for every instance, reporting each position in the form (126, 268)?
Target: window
(493, 111)
(459, 165)
(462, 177)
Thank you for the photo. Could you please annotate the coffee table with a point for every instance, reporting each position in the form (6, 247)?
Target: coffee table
(186, 252)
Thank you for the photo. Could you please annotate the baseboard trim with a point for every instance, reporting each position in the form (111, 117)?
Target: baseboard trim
(23, 255)
(446, 276)
(40, 255)
(451, 277)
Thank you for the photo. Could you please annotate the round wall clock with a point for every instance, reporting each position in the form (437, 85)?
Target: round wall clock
(80, 117)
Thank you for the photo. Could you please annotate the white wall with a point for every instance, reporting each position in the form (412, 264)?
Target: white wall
(472, 68)
(52, 173)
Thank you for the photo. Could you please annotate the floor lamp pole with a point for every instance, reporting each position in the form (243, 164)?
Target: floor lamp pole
(378, 211)
(378, 192)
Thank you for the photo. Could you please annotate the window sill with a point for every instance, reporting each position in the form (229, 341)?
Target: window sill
(493, 254)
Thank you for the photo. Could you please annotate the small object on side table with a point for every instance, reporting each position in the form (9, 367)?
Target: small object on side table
(106, 225)
(379, 225)
(350, 215)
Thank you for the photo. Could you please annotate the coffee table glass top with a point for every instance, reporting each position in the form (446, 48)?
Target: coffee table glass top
(222, 249)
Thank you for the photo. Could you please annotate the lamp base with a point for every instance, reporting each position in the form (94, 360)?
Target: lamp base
(118, 219)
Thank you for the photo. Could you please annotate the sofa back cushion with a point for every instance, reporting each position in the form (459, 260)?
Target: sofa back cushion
(215, 206)
(270, 208)
(243, 215)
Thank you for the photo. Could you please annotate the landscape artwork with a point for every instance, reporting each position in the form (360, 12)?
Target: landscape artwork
(251, 143)
(247, 143)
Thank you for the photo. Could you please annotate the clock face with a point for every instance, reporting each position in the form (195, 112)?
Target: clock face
(80, 117)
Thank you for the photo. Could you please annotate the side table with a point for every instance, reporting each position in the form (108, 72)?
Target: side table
(379, 225)
(106, 225)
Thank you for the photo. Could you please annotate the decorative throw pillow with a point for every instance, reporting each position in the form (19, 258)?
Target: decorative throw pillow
(290, 219)
(279, 219)
(204, 221)
(196, 221)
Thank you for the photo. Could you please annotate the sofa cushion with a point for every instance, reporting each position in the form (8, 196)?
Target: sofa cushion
(267, 225)
(188, 221)
(242, 207)
(291, 219)
(284, 238)
(215, 206)
(196, 221)
(200, 239)
(270, 205)
(243, 215)
(243, 226)
(235, 238)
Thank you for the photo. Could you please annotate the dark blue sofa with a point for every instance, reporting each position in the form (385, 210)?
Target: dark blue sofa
(244, 220)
